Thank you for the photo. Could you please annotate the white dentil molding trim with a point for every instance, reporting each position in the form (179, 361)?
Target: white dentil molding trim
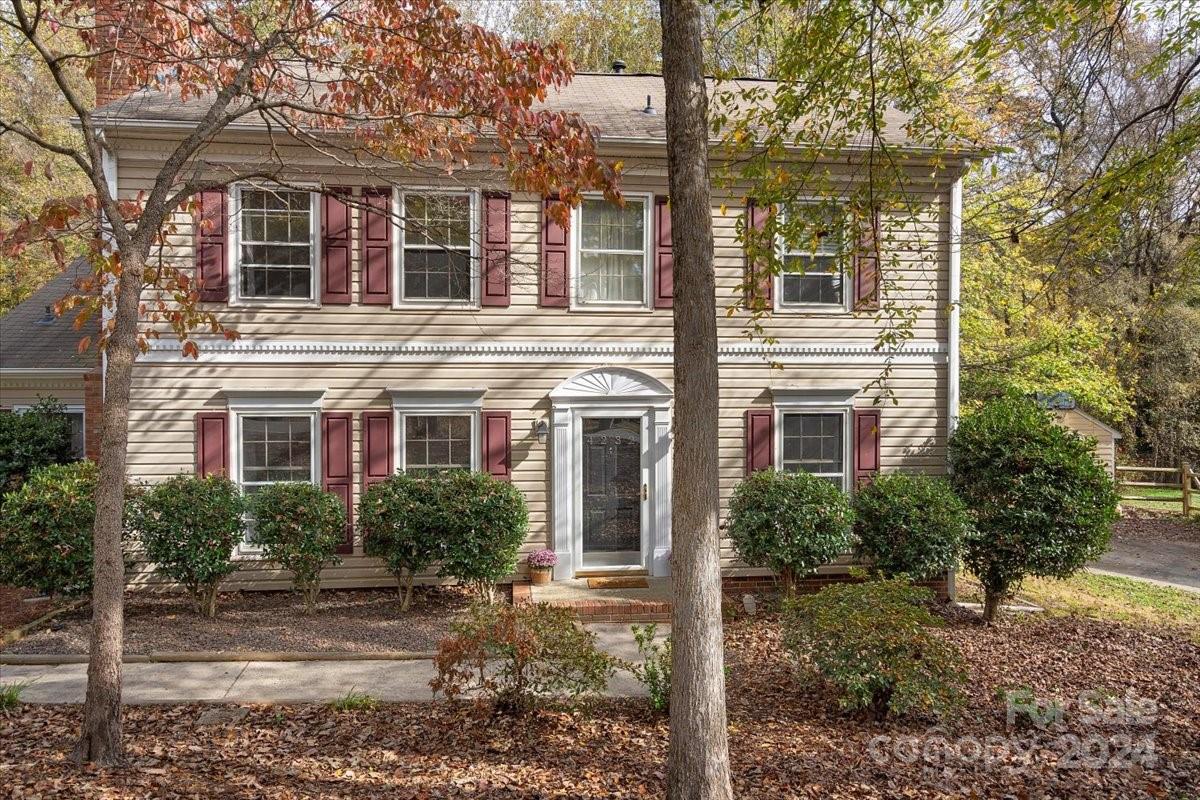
(258, 351)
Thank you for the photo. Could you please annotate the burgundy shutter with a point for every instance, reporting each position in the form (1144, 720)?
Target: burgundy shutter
(866, 265)
(337, 466)
(664, 269)
(497, 444)
(760, 440)
(212, 443)
(758, 280)
(335, 248)
(554, 281)
(866, 445)
(376, 270)
(497, 246)
(212, 246)
(378, 460)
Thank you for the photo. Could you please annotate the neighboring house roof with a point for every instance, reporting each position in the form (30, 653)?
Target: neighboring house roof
(31, 337)
(613, 104)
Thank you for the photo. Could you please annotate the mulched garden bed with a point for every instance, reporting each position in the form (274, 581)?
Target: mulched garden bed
(788, 738)
(17, 607)
(357, 621)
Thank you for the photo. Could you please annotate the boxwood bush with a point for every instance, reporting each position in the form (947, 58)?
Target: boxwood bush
(299, 527)
(402, 524)
(485, 521)
(37, 437)
(909, 525)
(792, 522)
(874, 643)
(1040, 502)
(189, 527)
(46, 530)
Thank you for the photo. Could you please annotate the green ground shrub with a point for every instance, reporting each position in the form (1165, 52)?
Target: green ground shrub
(791, 522)
(485, 522)
(299, 527)
(37, 437)
(909, 525)
(874, 643)
(401, 524)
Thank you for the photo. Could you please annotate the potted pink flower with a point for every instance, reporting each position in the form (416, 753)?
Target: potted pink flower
(541, 565)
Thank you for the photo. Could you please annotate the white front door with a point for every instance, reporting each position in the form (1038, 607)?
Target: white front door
(613, 491)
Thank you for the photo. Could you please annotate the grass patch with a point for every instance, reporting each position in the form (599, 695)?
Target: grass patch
(10, 696)
(1151, 498)
(1104, 597)
(355, 701)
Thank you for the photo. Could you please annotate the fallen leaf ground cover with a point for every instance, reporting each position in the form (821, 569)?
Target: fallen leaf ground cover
(788, 738)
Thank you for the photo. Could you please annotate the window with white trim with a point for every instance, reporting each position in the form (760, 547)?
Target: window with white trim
(274, 448)
(813, 270)
(276, 230)
(438, 442)
(612, 252)
(437, 251)
(814, 442)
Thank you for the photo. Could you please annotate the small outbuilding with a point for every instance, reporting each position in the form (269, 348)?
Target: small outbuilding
(1070, 415)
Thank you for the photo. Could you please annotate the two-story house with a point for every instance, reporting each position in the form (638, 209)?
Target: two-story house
(440, 322)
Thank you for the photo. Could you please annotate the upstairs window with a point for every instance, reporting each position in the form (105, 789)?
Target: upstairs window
(813, 267)
(276, 243)
(437, 257)
(612, 258)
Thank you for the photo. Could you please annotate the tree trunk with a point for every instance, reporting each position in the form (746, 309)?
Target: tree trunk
(991, 604)
(406, 587)
(698, 756)
(100, 736)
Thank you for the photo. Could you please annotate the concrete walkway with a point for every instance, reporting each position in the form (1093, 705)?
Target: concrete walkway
(276, 681)
(1165, 562)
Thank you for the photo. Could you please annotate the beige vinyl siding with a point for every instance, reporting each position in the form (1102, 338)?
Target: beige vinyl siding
(166, 397)
(25, 390)
(915, 265)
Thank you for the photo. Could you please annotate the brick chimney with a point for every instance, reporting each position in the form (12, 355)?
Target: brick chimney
(118, 26)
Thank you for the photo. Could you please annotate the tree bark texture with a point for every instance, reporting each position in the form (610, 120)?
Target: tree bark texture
(100, 736)
(698, 756)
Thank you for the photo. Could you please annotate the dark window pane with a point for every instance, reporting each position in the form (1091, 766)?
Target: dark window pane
(434, 443)
(814, 443)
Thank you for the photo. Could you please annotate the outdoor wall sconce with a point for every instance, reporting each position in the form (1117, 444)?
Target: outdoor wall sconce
(542, 430)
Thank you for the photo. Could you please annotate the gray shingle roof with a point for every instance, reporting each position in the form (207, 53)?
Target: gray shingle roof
(32, 339)
(612, 103)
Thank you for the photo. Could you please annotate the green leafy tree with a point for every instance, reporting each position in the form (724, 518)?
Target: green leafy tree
(299, 527)
(402, 524)
(190, 527)
(46, 530)
(36, 437)
(792, 522)
(1041, 503)
(909, 525)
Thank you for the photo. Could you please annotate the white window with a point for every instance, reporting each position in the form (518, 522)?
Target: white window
(275, 440)
(612, 261)
(437, 429)
(813, 270)
(437, 259)
(275, 243)
(812, 430)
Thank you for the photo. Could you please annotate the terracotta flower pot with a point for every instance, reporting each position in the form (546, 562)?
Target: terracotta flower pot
(540, 576)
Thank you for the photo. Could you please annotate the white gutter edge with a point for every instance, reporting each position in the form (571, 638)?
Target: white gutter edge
(952, 393)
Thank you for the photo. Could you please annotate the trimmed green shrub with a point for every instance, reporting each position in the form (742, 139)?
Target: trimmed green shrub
(190, 526)
(909, 525)
(485, 521)
(792, 522)
(46, 530)
(518, 656)
(401, 523)
(873, 641)
(299, 527)
(37, 437)
(1040, 502)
